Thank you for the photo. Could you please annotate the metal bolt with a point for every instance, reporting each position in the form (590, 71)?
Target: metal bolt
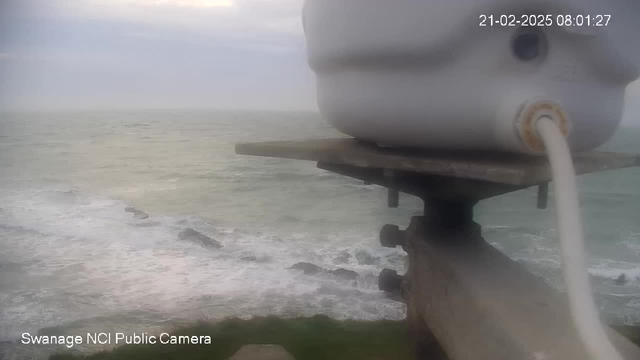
(393, 195)
(391, 236)
(390, 281)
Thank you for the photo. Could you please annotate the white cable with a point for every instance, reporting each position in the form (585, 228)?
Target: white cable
(583, 309)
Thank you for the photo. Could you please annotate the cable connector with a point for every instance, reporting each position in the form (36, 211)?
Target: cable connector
(528, 116)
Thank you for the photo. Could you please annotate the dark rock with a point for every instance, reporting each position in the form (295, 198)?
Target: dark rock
(621, 280)
(189, 234)
(311, 269)
(138, 214)
(257, 259)
(307, 268)
(345, 274)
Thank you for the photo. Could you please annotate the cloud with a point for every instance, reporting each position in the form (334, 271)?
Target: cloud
(186, 3)
(3, 56)
(155, 53)
(232, 17)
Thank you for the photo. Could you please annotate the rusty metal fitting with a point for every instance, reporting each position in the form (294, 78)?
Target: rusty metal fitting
(530, 113)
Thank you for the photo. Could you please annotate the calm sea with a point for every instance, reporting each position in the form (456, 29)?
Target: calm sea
(73, 261)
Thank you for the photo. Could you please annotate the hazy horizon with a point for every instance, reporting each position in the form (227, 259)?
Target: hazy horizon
(162, 54)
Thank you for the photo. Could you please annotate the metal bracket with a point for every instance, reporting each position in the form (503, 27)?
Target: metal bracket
(393, 195)
(543, 195)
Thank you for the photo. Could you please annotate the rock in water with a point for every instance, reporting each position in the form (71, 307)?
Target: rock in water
(621, 280)
(256, 259)
(364, 258)
(311, 269)
(307, 268)
(262, 352)
(189, 234)
(138, 214)
(343, 257)
(345, 274)
(147, 224)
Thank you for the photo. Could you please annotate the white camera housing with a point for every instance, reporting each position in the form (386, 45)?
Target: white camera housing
(425, 73)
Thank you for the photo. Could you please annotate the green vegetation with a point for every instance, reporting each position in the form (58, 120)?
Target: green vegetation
(314, 338)
(630, 332)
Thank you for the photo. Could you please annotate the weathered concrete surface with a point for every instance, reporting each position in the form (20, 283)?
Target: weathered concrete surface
(480, 305)
(262, 352)
(500, 168)
(307, 268)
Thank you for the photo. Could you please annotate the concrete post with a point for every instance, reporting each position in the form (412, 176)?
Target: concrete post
(478, 304)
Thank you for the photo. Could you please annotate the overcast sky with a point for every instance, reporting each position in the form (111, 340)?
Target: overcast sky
(160, 54)
(154, 53)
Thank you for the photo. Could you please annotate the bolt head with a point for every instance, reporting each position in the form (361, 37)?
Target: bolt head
(389, 281)
(391, 236)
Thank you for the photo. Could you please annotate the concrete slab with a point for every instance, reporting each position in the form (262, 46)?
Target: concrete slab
(501, 168)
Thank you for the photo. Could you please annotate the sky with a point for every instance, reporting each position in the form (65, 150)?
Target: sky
(229, 54)
(247, 54)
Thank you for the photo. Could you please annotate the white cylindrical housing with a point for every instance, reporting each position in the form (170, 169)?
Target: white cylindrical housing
(424, 73)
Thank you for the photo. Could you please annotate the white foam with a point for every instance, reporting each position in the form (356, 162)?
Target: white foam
(612, 269)
(94, 258)
(633, 244)
(84, 256)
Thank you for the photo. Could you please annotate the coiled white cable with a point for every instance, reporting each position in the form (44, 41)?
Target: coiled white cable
(583, 310)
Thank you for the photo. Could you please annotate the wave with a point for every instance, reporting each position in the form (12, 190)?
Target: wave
(612, 269)
(550, 258)
(82, 255)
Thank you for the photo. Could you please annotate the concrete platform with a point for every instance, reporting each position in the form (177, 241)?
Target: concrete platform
(517, 170)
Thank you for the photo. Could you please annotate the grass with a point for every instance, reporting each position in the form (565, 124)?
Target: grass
(630, 332)
(314, 338)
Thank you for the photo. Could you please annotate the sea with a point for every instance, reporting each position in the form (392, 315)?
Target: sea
(73, 261)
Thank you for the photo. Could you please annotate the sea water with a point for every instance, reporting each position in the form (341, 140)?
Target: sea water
(73, 261)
